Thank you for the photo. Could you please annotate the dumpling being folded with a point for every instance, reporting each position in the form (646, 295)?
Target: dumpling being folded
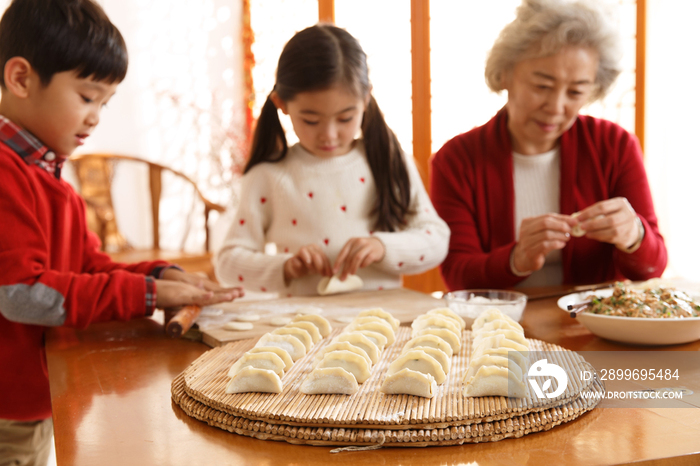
(269, 361)
(420, 361)
(410, 382)
(351, 362)
(252, 379)
(289, 343)
(335, 380)
(324, 327)
(382, 314)
(495, 381)
(333, 285)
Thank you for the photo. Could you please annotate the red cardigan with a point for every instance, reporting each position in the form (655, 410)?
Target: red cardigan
(472, 190)
(51, 273)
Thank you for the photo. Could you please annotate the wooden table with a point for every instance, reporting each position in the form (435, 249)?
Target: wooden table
(110, 388)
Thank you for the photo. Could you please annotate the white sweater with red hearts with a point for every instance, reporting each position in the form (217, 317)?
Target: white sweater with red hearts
(305, 199)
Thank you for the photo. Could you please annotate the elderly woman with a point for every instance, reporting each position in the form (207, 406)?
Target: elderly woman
(541, 195)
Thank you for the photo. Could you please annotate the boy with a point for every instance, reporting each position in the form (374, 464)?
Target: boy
(62, 61)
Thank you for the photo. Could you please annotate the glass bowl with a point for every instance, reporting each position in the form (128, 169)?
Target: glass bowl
(470, 303)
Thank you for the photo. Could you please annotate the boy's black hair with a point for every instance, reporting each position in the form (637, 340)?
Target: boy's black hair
(63, 35)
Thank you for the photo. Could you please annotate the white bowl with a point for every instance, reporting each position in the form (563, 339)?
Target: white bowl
(633, 330)
(470, 303)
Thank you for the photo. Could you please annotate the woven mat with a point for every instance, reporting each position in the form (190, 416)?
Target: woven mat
(371, 417)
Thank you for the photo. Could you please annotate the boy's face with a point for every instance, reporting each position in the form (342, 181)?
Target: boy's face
(64, 113)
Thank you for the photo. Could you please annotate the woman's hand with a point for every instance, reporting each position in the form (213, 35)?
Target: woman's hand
(178, 288)
(309, 259)
(538, 237)
(358, 253)
(611, 221)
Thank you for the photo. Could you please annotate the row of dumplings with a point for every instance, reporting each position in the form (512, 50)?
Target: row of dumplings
(500, 357)
(347, 361)
(426, 358)
(261, 368)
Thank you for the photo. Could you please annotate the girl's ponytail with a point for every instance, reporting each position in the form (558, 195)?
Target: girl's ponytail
(269, 140)
(389, 170)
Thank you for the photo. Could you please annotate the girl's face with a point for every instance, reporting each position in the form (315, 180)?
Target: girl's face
(326, 121)
(545, 95)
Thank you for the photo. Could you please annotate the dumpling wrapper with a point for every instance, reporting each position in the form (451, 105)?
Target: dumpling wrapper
(299, 333)
(382, 327)
(489, 315)
(351, 362)
(289, 343)
(361, 341)
(309, 327)
(267, 360)
(286, 358)
(439, 356)
(429, 340)
(510, 334)
(324, 327)
(333, 380)
(382, 314)
(409, 382)
(420, 361)
(447, 312)
(491, 360)
(376, 338)
(577, 231)
(333, 285)
(436, 321)
(343, 346)
(495, 381)
(448, 335)
(252, 379)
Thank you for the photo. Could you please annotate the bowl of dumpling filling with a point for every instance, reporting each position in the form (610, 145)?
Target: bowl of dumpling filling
(468, 304)
(647, 313)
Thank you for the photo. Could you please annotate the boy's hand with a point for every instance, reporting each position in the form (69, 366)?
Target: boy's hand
(179, 288)
(358, 253)
(309, 259)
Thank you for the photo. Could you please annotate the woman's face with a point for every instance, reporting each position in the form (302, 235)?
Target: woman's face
(545, 95)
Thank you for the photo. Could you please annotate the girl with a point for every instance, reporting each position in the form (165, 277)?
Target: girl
(332, 204)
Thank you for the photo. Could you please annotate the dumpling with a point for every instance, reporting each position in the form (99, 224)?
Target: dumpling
(487, 316)
(495, 381)
(309, 327)
(299, 333)
(381, 327)
(382, 314)
(409, 382)
(492, 360)
(429, 340)
(289, 343)
(269, 361)
(324, 327)
(343, 346)
(333, 285)
(496, 324)
(362, 342)
(498, 341)
(377, 338)
(252, 379)
(286, 358)
(435, 321)
(508, 333)
(420, 361)
(515, 356)
(448, 335)
(439, 356)
(329, 380)
(351, 362)
(447, 312)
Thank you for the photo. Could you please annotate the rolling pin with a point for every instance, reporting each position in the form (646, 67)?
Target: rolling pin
(182, 321)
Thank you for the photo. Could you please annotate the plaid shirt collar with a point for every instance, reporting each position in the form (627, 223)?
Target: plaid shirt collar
(29, 148)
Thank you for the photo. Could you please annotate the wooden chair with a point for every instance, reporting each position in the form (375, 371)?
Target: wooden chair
(94, 173)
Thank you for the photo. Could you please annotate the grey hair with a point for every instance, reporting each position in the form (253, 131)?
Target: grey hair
(542, 28)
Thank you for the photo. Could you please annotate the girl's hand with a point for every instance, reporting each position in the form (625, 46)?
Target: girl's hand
(172, 293)
(358, 253)
(611, 221)
(309, 259)
(539, 236)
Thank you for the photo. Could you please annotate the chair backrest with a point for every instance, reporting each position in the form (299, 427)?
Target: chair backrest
(94, 174)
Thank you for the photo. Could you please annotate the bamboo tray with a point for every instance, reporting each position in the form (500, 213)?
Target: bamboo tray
(371, 417)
